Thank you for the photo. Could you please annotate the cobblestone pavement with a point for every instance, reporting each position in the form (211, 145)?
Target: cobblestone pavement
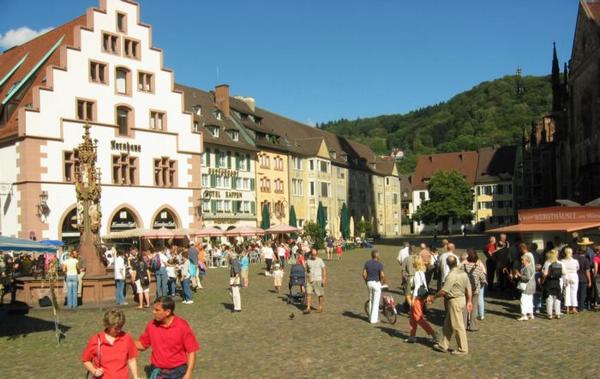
(262, 340)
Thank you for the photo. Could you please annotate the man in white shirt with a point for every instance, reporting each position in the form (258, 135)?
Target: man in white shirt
(268, 254)
(120, 278)
(444, 268)
(403, 253)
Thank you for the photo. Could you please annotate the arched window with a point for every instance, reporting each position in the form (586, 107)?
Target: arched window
(124, 119)
(165, 219)
(122, 220)
(69, 230)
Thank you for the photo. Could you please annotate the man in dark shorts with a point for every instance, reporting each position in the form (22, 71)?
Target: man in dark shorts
(373, 276)
(173, 342)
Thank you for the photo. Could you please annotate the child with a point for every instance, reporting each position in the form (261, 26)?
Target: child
(537, 296)
(277, 277)
(339, 250)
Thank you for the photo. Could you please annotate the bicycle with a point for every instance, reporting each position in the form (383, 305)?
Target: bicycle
(387, 306)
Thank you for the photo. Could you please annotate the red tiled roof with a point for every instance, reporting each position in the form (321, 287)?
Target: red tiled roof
(36, 48)
(464, 162)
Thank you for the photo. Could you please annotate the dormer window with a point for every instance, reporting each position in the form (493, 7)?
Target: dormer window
(197, 109)
(332, 154)
(251, 117)
(234, 135)
(219, 115)
(196, 127)
(214, 131)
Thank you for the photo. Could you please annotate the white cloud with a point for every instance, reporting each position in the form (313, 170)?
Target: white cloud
(18, 36)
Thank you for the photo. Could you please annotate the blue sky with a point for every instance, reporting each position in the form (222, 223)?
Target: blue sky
(321, 60)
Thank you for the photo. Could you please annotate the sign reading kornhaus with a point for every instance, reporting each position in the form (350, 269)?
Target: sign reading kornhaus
(125, 146)
(222, 172)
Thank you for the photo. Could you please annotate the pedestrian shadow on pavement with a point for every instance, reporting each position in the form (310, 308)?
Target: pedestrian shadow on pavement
(15, 326)
(355, 315)
(510, 309)
(391, 332)
(228, 306)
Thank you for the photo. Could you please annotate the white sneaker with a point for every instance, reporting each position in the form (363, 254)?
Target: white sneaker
(531, 317)
(190, 302)
(523, 318)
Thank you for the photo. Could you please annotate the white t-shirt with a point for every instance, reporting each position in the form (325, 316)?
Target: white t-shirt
(119, 268)
(403, 254)
(281, 251)
(418, 280)
(268, 252)
(570, 266)
(445, 270)
(315, 266)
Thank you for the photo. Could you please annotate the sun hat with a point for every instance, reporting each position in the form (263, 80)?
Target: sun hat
(585, 241)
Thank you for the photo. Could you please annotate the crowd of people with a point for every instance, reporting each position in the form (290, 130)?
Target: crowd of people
(561, 279)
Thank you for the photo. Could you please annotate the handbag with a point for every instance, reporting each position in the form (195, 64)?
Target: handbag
(422, 291)
(99, 354)
(522, 286)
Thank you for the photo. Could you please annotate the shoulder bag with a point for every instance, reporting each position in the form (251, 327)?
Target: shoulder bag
(422, 291)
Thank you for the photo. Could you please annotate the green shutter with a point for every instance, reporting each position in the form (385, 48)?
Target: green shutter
(217, 155)
(251, 184)
(213, 181)
(213, 206)
(253, 208)
(237, 161)
(207, 152)
(229, 159)
(233, 182)
(248, 167)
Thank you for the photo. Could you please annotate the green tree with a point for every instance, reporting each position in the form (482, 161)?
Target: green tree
(450, 196)
(365, 228)
(316, 234)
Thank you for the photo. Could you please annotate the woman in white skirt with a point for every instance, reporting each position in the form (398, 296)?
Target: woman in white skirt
(570, 280)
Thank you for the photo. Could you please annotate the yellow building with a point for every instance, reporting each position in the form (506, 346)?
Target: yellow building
(272, 185)
(386, 190)
(494, 199)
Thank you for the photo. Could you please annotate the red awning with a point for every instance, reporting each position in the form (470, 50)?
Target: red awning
(567, 227)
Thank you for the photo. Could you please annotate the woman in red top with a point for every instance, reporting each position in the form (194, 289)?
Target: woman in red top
(108, 353)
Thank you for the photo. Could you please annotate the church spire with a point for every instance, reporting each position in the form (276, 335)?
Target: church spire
(555, 80)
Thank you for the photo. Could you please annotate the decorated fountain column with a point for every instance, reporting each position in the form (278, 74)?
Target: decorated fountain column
(87, 185)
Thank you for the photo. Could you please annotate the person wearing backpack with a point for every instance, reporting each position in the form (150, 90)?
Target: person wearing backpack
(477, 278)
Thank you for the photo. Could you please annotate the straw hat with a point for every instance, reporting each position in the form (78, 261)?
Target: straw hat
(585, 241)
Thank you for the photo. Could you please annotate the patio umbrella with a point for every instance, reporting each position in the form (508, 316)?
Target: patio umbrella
(266, 218)
(351, 226)
(56, 243)
(244, 231)
(208, 232)
(345, 222)
(321, 218)
(18, 244)
(125, 234)
(282, 228)
(293, 221)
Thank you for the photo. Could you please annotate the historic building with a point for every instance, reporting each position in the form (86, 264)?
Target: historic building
(560, 155)
(494, 181)
(99, 69)
(228, 161)
(464, 162)
(386, 191)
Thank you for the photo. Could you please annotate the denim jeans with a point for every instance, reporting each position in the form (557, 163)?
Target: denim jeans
(161, 283)
(172, 286)
(187, 290)
(119, 296)
(71, 291)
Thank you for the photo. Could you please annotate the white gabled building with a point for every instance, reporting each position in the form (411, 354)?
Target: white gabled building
(101, 69)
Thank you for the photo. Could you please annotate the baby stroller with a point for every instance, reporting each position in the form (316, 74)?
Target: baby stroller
(297, 278)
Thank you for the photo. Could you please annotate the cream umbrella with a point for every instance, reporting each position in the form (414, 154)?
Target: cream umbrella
(351, 226)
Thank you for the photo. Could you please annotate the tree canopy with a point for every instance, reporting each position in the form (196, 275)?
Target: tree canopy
(449, 196)
(491, 113)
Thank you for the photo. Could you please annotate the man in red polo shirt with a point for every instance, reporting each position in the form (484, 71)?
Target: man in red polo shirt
(172, 340)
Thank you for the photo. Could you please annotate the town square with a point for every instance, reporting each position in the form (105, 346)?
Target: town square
(299, 189)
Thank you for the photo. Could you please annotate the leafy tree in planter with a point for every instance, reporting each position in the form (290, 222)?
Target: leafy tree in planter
(450, 196)
(315, 233)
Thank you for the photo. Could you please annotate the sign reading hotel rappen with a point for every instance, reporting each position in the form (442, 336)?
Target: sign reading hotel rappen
(226, 194)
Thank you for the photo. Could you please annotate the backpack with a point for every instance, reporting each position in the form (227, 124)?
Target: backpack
(155, 263)
(471, 278)
(555, 271)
